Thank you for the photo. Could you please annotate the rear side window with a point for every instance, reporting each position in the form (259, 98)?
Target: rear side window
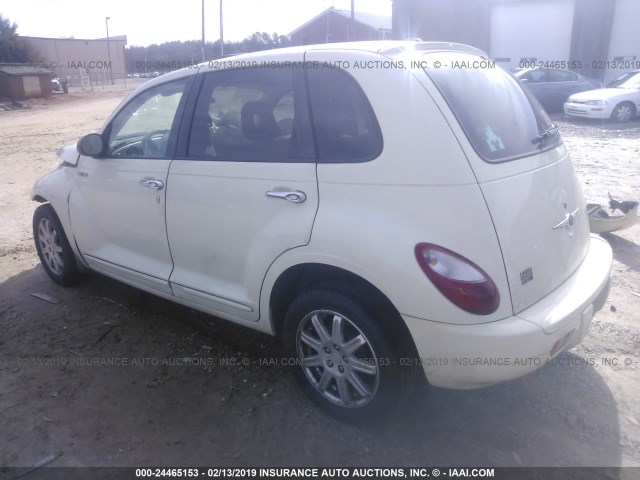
(534, 76)
(501, 120)
(252, 115)
(562, 76)
(346, 128)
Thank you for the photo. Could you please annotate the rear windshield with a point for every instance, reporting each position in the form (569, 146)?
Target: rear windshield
(500, 117)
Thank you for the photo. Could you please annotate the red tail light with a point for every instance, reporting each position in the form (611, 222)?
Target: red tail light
(460, 280)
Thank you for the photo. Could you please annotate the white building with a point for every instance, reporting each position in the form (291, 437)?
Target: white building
(598, 38)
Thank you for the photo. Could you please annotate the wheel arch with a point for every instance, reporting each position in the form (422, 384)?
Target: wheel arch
(305, 276)
(54, 189)
(55, 251)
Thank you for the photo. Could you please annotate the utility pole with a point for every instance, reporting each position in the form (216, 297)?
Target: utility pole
(203, 30)
(221, 33)
(106, 21)
(352, 26)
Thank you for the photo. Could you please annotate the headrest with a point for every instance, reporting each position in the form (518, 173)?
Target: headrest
(258, 122)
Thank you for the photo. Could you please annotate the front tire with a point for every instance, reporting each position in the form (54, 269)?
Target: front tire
(344, 360)
(623, 112)
(53, 248)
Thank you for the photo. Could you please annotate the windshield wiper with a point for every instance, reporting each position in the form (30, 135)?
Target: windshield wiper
(552, 130)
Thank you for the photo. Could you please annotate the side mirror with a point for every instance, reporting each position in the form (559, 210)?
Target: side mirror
(91, 145)
(524, 80)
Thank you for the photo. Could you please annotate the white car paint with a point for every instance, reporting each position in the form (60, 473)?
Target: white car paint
(510, 348)
(214, 241)
(243, 236)
(119, 223)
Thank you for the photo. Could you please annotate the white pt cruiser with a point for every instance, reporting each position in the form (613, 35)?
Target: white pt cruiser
(386, 208)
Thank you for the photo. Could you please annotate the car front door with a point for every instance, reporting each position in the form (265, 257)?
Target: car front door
(117, 205)
(245, 190)
(562, 84)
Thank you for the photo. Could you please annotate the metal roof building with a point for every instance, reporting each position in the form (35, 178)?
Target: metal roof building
(24, 81)
(72, 58)
(334, 25)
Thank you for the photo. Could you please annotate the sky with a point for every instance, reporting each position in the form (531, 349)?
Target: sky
(145, 22)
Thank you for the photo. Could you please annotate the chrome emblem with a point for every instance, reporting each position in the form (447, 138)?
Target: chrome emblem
(568, 220)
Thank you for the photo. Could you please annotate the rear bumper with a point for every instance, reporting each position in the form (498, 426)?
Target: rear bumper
(473, 356)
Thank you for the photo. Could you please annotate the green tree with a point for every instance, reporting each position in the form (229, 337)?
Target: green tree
(142, 59)
(14, 49)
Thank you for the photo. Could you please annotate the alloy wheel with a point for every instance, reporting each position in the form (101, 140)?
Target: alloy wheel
(623, 113)
(337, 358)
(50, 246)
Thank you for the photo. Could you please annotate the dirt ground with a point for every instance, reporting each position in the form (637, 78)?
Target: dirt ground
(216, 401)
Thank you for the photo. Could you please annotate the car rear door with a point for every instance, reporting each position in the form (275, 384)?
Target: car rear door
(244, 190)
(563, 84)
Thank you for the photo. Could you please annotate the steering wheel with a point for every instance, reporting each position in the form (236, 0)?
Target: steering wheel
(154, 148)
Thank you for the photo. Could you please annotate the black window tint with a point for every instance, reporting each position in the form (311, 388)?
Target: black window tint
(345, 125)
(146, 126)
(534, 76)
(562, 76)
(252, 115)
(501, 120)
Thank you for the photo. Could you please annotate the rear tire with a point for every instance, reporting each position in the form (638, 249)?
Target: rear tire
(623, 112)
(344, 360)
(53, 248)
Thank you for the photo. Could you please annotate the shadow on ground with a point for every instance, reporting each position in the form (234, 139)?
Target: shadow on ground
(624, 251)
(215, 411)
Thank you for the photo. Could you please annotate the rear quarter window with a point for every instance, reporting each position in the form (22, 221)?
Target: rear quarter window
(346, 128)
(502, 120)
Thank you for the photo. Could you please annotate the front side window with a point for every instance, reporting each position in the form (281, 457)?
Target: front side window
(252, 115)
(147, 124)
(501, 120)
(345, 125)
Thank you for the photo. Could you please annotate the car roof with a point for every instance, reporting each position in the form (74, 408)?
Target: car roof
(383, 47)
(389, 48)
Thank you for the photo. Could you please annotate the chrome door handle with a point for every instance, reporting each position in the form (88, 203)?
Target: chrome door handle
(152, 183)
(293, 196)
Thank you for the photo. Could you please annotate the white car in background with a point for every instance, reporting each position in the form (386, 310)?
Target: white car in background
(620, 101)
(439, 230)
